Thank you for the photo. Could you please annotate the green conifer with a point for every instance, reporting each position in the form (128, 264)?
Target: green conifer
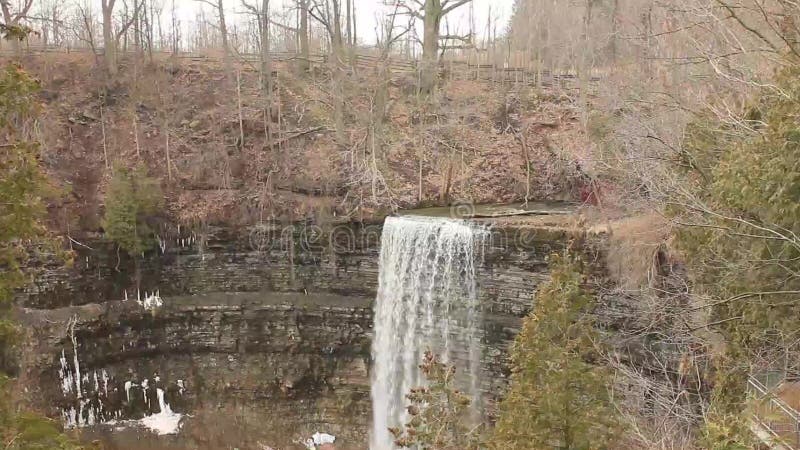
(132, 199)
(559, 397)
(22, 185)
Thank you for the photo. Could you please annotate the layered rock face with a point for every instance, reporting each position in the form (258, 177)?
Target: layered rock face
(340, 259)
(300, 359)
(262, 336)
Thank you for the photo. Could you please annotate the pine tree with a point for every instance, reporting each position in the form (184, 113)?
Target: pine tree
(22, 185)
(440, 413)
(558, 398)
(132, 199)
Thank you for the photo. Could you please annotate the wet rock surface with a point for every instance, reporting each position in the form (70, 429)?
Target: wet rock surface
(304, 359)
(263, 335)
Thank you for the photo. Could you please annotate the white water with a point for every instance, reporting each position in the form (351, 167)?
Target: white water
(426, 301)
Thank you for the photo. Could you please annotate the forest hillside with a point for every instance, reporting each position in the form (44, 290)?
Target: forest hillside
(221, 156)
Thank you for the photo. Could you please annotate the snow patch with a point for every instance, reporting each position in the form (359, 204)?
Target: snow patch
(165, 421)
(319, 439)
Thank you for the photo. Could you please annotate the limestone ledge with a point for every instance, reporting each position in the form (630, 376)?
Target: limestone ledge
(343, 260)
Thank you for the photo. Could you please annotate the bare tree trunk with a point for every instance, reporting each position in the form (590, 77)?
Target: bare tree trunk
(349, 20)
(419, 179)
(266, 59)
(56, 23)
(239, 104)
(338, 72)
(166, 151)
(266, 68)
(136, 132)
(161, 44)
(355, 26)
(614, 30)
(303, 33)
(430, 46)
(109, 40)
(223, 31)
(648, 48)
(150, 28)
(351, 54)
(174, 30)
(584, 62)
(103, 130)
(137, 30)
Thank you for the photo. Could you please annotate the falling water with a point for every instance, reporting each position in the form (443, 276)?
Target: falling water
(426, 300)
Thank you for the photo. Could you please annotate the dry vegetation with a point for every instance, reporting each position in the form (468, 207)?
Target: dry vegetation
(682, 85)
(222, 157)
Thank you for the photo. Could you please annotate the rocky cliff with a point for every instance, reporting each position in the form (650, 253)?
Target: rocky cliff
(257, 335)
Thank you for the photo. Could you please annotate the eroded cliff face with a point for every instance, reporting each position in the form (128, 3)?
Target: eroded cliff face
(302, 360)
(262, 337)
(295, 258)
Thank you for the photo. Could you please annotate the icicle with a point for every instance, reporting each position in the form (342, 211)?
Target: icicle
(90, 418)
(128, 386)
(144, 392)
(105, 382)
(151, 300)
(77, 364)
(65, 375)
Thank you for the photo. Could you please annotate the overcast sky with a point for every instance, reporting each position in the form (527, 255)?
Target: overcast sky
(366, 13)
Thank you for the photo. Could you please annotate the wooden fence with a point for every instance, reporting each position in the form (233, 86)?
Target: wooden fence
(772, 415)
(449, 69)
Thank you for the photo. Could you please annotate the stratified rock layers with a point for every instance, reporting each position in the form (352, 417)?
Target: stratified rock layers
(264, 335)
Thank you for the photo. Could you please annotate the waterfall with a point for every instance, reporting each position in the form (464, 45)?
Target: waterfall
(426, 300)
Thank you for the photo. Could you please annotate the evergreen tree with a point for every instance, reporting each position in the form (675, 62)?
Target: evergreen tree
(743, 249)
(132, 199)
(22, 185)
(440, 413)
(558, 398)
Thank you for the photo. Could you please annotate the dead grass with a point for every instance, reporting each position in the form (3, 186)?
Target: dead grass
(217, 178)
(633, 244)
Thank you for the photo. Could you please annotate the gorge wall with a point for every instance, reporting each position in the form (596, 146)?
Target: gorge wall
(263, 336)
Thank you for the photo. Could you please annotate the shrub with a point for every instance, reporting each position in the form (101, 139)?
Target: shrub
(132, 200)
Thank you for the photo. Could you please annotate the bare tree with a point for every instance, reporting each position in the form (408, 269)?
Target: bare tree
(388, 36)
(110, 37)
(262, 16)
(84, 30)
(12, 22)
(329, 14)
(432, 13)
(219, 7)
(303, 34)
